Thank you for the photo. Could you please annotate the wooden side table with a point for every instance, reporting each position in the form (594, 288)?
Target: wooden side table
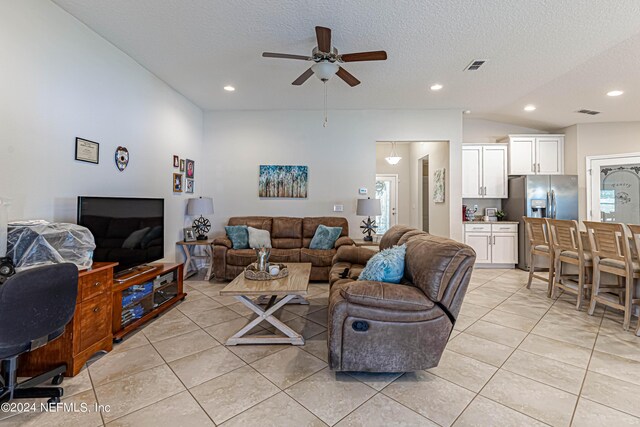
(189, 248)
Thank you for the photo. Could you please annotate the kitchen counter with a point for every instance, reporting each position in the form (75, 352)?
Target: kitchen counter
(491, 222)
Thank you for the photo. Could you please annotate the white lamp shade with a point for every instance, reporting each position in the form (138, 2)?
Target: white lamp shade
(325, 69)
(200, 206)
(368, 207)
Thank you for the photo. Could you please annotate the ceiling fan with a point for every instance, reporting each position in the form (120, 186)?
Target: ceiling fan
(327, 60)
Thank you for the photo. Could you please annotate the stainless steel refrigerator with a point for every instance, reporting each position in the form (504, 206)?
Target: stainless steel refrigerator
(541, 196)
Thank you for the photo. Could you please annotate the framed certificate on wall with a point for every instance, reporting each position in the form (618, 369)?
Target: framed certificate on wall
(87, 151)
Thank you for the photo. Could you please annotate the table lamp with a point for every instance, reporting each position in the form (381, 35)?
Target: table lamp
(200, 206)
(368, 207)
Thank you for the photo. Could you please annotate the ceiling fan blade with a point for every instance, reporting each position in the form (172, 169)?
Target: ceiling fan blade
(303, 77)
(378, 55)
(285, 56)
(323, 35)
(347, 77)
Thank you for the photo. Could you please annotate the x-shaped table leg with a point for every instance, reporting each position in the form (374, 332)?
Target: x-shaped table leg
(292, 337)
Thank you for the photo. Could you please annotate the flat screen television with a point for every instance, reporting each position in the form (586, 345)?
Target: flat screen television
(129, 231)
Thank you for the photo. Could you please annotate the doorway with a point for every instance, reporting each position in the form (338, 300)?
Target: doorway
(613, 188)
(387, 192)
(425, 194)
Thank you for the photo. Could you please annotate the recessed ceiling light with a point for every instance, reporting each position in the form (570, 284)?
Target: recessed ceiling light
(229, 88)
(615, 93)
(436, 86)
(529, 107)
(466, 112)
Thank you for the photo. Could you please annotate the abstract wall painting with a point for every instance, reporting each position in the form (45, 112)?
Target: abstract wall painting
(438, 186)
(283, 181)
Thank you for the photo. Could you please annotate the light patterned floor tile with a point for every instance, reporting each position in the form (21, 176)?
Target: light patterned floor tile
(540, 401)
(213, 317)
(464, 371)
(496, 333)
(376, 380)
(194, 306)
(615, 366)
(288, 367)
(557, 350)
(59, 417)
(480, 349)
(621, 395)
(137, 391)
(484, 412)
(230, 394)
(205, 365)
(330, 395)
(122, 364)
(179, 410)
(317, 345)
(277, 411)
(552, 372)
(382, 411)
(510, 320)
(433, 397)
(185, 345)
(592, 414)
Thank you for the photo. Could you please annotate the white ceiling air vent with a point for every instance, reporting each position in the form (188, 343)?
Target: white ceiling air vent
(589, 112)
(475, 64)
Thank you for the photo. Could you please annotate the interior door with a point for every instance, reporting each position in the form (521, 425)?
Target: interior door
(521, 156)
(387, 192)
(471, 171)
(549, 158)
(615, 189)
(481, 243)
(494, 171)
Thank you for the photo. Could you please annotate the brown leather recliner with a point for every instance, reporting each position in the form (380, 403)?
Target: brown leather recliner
(290, 239)
(386, 327)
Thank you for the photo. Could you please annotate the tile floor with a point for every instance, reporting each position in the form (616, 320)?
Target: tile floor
(516, 358)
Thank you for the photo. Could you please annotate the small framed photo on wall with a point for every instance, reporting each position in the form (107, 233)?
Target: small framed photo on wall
(87, 151)
(190, 169)
(181, 165)
(176, 161)
(189, 186)
(177, 183)
(189, 234)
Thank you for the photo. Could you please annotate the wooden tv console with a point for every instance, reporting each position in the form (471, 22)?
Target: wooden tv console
(97, 321)
(153, 303)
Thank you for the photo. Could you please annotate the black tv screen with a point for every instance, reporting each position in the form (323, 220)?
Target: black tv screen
(129, 231)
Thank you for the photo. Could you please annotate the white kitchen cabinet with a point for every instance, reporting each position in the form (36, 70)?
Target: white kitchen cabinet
(495, 243)
(484, 171)
(536, 154)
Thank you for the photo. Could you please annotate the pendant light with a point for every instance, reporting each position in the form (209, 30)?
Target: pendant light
(393, 158)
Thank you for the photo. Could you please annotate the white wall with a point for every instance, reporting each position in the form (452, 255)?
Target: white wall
(441, 219)
(60, 80)
(341, 157)
(594, 139)
(403, 171)
(480, 131)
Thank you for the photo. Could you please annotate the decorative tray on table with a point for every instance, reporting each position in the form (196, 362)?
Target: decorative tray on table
(252, 272)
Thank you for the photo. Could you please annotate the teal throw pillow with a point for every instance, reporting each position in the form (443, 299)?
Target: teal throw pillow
(385, 266)
(239, 236)
(325, 237)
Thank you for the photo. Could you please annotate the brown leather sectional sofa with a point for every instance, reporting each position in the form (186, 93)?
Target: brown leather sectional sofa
(290, 239)
(385, 327)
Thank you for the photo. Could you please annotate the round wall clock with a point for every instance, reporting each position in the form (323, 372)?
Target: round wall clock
(122, 158)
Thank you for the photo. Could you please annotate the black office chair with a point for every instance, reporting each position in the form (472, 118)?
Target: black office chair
(35, 306)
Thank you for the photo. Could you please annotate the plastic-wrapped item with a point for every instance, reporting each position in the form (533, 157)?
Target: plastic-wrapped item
(36, 243)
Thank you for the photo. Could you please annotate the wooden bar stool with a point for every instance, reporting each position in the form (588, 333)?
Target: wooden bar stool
(635, 233)
(568, 249)
(612, 254)
(539, 246)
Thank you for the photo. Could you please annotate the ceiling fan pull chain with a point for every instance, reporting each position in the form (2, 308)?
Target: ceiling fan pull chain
(324, 124)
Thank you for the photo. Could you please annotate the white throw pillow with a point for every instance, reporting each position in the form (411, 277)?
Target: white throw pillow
(259, 238)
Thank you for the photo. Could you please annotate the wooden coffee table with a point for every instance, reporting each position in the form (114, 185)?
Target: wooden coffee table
(290, 289)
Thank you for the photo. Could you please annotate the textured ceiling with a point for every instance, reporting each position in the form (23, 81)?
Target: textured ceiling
(560, 55)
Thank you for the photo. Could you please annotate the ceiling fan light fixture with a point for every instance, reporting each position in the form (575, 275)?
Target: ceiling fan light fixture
(393, 158)
(325, 69)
